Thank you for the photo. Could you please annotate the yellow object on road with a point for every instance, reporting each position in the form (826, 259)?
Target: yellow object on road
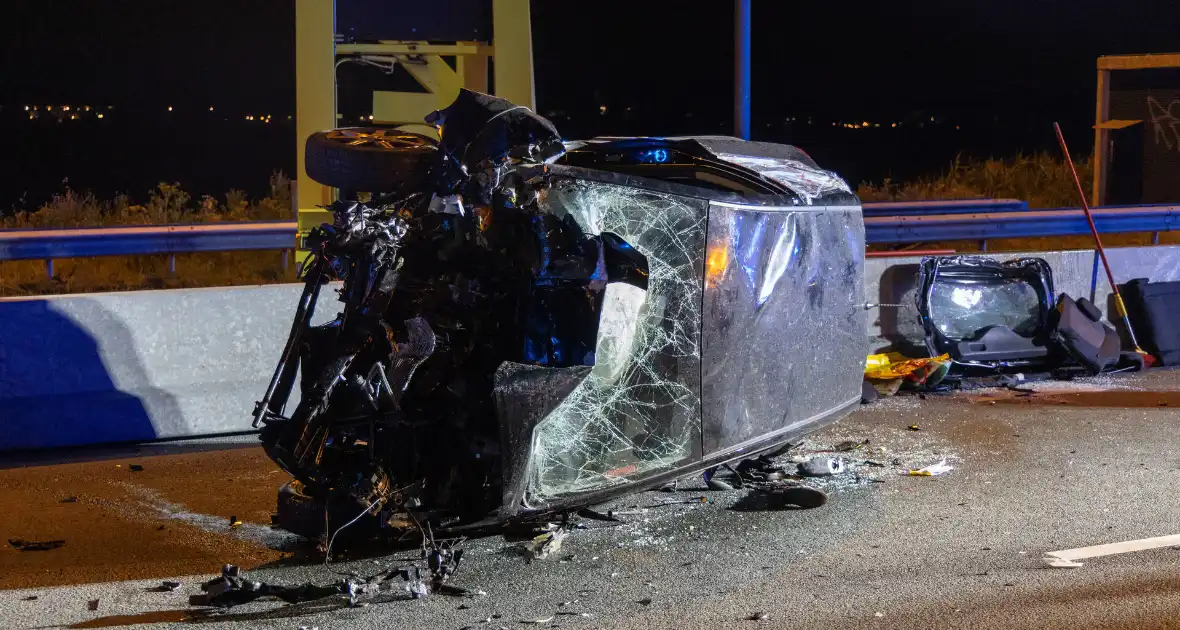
(894, 365)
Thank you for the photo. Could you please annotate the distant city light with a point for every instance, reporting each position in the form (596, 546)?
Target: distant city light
(894, 125)
(73, 117)
(602, 109)
(26, 108)
(100, 115)
(210, 108)
(169, 108)
(370, 117)
(65, 108)
(956, 127)
(49, 108)
(932, 119)
(249, 118)
(87, 108)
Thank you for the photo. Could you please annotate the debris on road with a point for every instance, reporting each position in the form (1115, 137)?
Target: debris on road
(800, 496)
(822, 466)
(539, 621)
(758, 616)
(30, 598)
(172, 586)
(548, 543)
(933, 470)
(35, 545)
(92, 604)
(914, 427)
(850, 445)
(135, 468)
(69, 500)
(234, 522)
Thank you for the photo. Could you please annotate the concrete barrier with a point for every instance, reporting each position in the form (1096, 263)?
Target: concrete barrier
(143, 365)
(1078, 273)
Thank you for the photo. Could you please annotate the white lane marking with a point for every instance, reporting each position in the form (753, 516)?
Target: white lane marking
(1067, 558)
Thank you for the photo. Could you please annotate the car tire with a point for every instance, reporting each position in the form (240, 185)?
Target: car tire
(369, 159)
(298, 513)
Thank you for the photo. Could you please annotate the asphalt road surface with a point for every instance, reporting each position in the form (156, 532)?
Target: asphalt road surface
(1077, 464)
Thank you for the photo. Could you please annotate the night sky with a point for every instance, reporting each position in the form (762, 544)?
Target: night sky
(1003, 69)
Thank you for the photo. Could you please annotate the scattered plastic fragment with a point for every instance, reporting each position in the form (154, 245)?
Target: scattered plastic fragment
(878, 614)
(646, 601)
(539, 621)
(92, 604)
(547, 544)
(758, 616)
(69, 500)
(933, 470)
(822, 466)
(234, 522)
(29, 598)
(172, 586)
(914, 427)
(135, 468)
(35, 545)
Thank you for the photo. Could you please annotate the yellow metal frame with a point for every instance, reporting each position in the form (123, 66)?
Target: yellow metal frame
(1102, 122)
(316, 54)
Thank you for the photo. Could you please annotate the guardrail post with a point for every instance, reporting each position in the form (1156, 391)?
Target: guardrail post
(983, 245)
(1155, 238)
(286, 256)
(172, 264)
(49, 268)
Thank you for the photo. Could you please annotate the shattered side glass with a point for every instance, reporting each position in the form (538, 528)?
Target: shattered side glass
(638, 410)
(963, 308)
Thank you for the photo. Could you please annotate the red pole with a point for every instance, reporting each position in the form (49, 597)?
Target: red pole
(1114, 288)
(1086, 207)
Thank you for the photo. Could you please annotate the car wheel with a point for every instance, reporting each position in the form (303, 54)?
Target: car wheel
(369, 159)
(299, 513)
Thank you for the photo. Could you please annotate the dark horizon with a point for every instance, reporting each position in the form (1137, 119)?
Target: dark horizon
(1001, 72)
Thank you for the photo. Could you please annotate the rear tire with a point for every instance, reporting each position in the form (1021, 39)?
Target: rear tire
(298, 513)
(369, 159)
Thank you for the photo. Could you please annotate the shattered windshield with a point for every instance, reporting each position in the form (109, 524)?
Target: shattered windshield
(964, 308)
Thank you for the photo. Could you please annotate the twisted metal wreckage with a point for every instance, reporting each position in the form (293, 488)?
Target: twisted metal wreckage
(531, 326)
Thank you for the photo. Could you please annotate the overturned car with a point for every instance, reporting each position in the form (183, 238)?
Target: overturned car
(530, 326)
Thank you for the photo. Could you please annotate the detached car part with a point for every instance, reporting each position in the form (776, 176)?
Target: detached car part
(530, 326)
(982, 311)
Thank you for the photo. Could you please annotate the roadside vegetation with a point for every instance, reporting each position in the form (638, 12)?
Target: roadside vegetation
(166, 204)
(1041, 179)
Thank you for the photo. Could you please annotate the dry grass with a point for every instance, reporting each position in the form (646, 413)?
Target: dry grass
(167, 204)
(1041, 179)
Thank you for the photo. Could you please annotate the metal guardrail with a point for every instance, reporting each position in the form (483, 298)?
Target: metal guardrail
(147, 240)
(984, 226)
(952, 206)
(905, 222)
